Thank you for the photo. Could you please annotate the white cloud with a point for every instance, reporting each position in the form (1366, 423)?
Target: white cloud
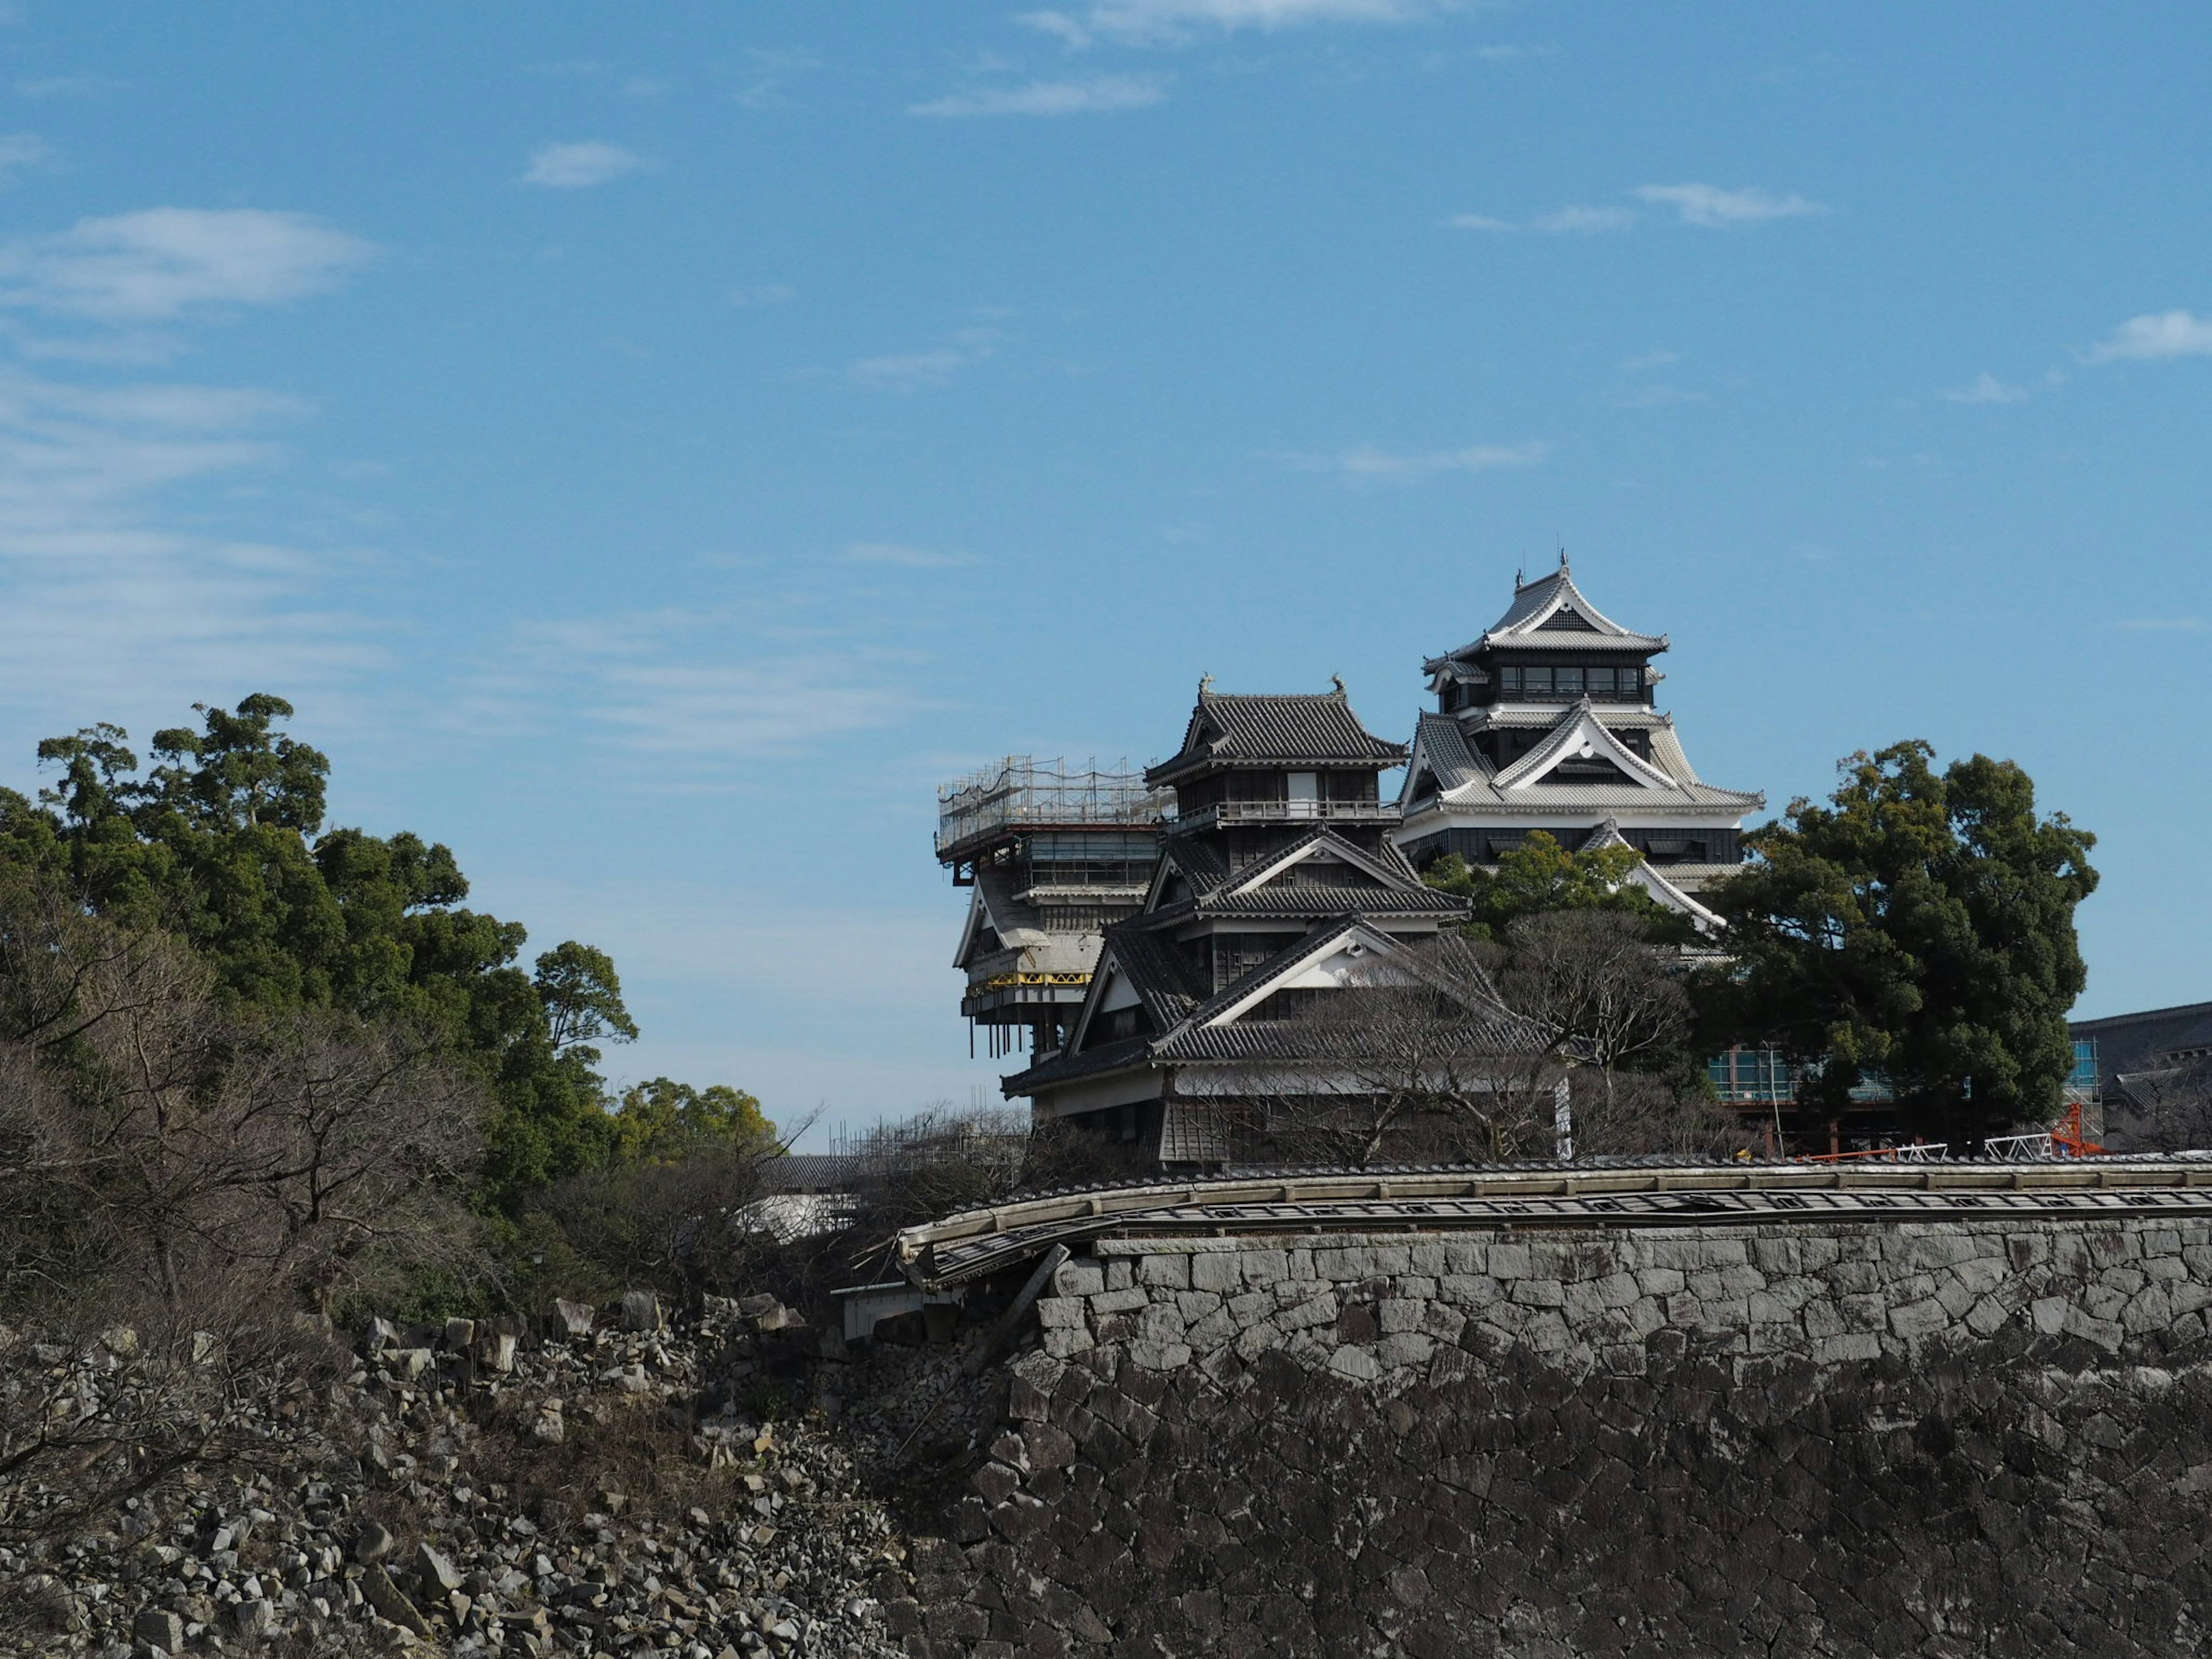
(898, 553)
(1172, 22)
(161, 263)
(1582, 221)
(763, 294)
(19, 151)
(578, 167)
(1714, 208)
(68, 85)
(1086, 97)
(911, 371)
(117, 593)
(1367, 464)
(1987, 389)
(1654, 396)
(1576, 219)
(1650, 359)
(2149, 338)
(682, 684)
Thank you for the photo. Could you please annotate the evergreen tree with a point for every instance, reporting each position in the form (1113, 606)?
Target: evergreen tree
(1540, 876)
(222, 841)
(1919, 927)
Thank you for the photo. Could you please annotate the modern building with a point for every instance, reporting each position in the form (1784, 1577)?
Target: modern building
(1277, 883)
(1054, 855)
(2121, 1062)
(1547, 722)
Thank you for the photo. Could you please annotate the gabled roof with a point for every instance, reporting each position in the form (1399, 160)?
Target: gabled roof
(1382, 883)
(1218, 1028)
(1281, 730)
(1551, 613)
(1387, 868)
(1665, 782)
(1663, 891)
(1215, 1028)
(1580, 734)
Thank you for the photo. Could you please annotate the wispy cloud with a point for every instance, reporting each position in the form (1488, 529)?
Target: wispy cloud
(163, 263)
(1987, 389)
(68, 85)
(1369, 463)
(912, 371)
(1583, 221)
(1097, 94)
(900, 554)
(580, 166)
(1576, 219)
(120, 573)
(1713, 208)
(684, 685)
(1654, 396)
(1650, 359)
(1174, 22)
(20, 151)
(115, 576)
(2154, 336)
(767, 75)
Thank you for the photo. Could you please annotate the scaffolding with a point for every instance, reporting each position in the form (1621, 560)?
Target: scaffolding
(1022, 793)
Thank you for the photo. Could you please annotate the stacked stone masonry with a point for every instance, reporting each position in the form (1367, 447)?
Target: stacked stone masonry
(1846, 1439)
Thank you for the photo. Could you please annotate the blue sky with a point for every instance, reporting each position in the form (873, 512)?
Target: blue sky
(654, 446)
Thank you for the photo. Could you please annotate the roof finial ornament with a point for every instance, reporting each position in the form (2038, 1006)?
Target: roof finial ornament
(1563, 558)
(1337, 680)
(1205, 684)
(1518, 570)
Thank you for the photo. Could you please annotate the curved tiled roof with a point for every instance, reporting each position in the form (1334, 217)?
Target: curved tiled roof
(1284, 729)
(1534, 604)
(1670, 781)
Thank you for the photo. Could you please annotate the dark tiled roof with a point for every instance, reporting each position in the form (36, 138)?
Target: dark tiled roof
(1320, 899)
(1113, 1057)
(1297, 1039)
(1285, 729)
(809, 1172)
(1159, 972)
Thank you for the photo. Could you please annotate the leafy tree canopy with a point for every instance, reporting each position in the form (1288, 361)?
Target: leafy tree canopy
(222, 840)
(1540, 875)
(1921, 926)
(662, 1118)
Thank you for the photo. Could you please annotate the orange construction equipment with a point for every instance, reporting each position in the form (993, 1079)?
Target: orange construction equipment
(2067, 1139)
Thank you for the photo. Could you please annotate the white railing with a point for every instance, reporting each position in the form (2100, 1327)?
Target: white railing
(1020, 790)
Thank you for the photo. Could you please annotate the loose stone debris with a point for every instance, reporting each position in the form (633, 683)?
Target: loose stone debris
(604, 1484)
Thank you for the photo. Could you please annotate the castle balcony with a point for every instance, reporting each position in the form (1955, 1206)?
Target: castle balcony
(1287, 811)
(1014, 999)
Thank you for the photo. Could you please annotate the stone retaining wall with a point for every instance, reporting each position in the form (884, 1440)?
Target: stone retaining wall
(1820, 1439)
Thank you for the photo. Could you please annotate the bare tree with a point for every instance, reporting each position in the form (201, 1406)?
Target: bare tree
(2173, 1108)
(1607, 996)
(178, 1182)
(1414, 1057)
(1597, 988)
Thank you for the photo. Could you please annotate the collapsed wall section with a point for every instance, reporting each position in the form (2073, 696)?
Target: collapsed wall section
(1818, 1439)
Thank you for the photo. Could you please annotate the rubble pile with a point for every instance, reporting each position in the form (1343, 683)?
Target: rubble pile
(602, 1485)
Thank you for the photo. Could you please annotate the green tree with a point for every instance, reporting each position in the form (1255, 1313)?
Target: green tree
(1919, 926)
(663, 1118)
(222, 841)
(1540, 875)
